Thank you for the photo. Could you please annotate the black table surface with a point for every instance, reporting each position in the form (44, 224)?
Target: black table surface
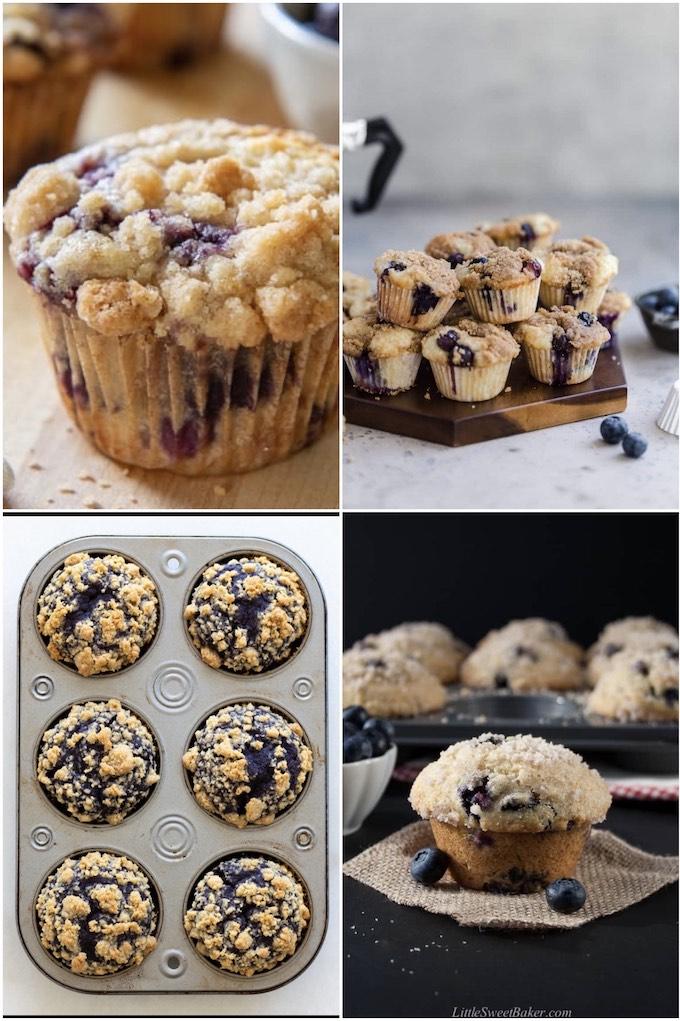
(405, 962)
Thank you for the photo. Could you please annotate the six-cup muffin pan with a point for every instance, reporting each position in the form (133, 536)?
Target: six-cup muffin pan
(170, 835)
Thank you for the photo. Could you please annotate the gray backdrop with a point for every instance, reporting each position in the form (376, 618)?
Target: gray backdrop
(518, 99)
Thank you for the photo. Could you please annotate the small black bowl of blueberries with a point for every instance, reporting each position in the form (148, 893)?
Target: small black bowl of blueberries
(369, 755)
(659, 311)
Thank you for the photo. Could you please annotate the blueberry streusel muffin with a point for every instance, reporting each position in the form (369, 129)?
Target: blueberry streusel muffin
(612, 308)
(96, 914)
(531, 231)
(525, 655)
(501, 287)
(470, 361)
(389, 683)
(248, 764)
(630, 635)
(512, 813)
(577, 272)
(98, 614)
(99, 762)
(247, 615)
(50, 53)
(639, 684)
(247, 915)
(458, 246)
(414, 290)
(358, 298)
(167, 35)
(432, 644)
(187, 277)
(382, 359)
(561, 345)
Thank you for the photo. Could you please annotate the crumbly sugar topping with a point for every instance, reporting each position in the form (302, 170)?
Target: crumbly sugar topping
(621, 629)
(409, 269)
(502, 267)
(369, 335)
(614, 303)
(470, 344)
(455, 248)
(197, 232)
(96, 914)
(247, 915)
(99, 762)
(98, 613)
(522, 229)
(505, 784)
(525, 655)
(247, 615)
(389, 683)
(248, 764)
(358, 297)
(546, 327)
(642, 637)
(433, 645)
(38, 37)
(578, 264)
(638, 684)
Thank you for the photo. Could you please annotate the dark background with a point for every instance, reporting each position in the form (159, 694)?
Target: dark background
(476, 571)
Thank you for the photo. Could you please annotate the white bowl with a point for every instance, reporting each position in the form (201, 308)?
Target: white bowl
(363, 785)
(306, 69)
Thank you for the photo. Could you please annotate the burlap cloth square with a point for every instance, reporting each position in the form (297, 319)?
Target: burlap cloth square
(614, 874)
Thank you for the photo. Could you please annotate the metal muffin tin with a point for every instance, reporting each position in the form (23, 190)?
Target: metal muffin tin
(172, 838)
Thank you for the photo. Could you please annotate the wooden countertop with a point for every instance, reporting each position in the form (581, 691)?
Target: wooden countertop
(55, 467)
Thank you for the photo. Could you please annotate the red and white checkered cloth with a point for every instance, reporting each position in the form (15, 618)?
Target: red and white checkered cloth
(621, 785)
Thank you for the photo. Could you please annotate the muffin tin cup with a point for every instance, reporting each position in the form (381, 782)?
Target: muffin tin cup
(171, 837)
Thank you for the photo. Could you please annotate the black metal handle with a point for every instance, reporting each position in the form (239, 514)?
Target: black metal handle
(379, 130)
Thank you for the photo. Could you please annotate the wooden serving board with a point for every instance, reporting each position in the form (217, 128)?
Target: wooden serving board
(528, 405)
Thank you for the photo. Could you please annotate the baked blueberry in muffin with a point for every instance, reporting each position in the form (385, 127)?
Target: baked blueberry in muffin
(531, 231)
(247, 614)
(639, 684)
(97, 915)
(247, 915)
(248, 763)
(99, 762)
(98, 613)
(561, 345)
(630, 635)
(458, 246)
(525, 655)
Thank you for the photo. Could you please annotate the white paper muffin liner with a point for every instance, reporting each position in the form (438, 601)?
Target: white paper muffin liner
(543, 367)
(395, 304)
(503, 305)
(460, 383)
(384, 375)
(668, 419)
(589, 301)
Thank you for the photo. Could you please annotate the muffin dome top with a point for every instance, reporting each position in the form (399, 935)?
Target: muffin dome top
(522, 229)
(432, 644)
(248, 764)
(639, 642)
(358, 298)
(525, 655)
(614, 303)
(98, 613)
(470, 344)
(96, 914)
(369, 334)
(458, 246)
(638, 684)
(580, 263)
(562, 324)
(504, 784)
(389, 683)
(410, 269)
(502, 267)
(99, 761)
(38, 36)
(247, 914)
(202, 231)
(247, 614)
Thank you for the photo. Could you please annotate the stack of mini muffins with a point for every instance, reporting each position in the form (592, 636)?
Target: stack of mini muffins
(632, 668)
(468, 305)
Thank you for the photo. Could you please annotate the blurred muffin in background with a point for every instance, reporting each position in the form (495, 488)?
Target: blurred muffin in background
(166, 35)
(50, 54)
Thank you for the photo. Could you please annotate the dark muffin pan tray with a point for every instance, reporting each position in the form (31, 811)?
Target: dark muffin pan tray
(170, 835)
(555, 717)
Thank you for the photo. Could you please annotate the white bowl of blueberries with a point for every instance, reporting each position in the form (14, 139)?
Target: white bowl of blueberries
(368, 758)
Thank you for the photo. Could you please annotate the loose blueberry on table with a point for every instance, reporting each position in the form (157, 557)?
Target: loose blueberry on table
(429, 865)
(613, 429)
(634, 445)
(565, 896)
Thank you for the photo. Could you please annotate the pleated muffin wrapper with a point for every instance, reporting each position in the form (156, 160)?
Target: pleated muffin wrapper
(384, 376)
(461, 383)
(588, 300)
(509, 862)
(503, 304)
(395, 305)
(548, 366)
(40, 119)
(153, 403)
